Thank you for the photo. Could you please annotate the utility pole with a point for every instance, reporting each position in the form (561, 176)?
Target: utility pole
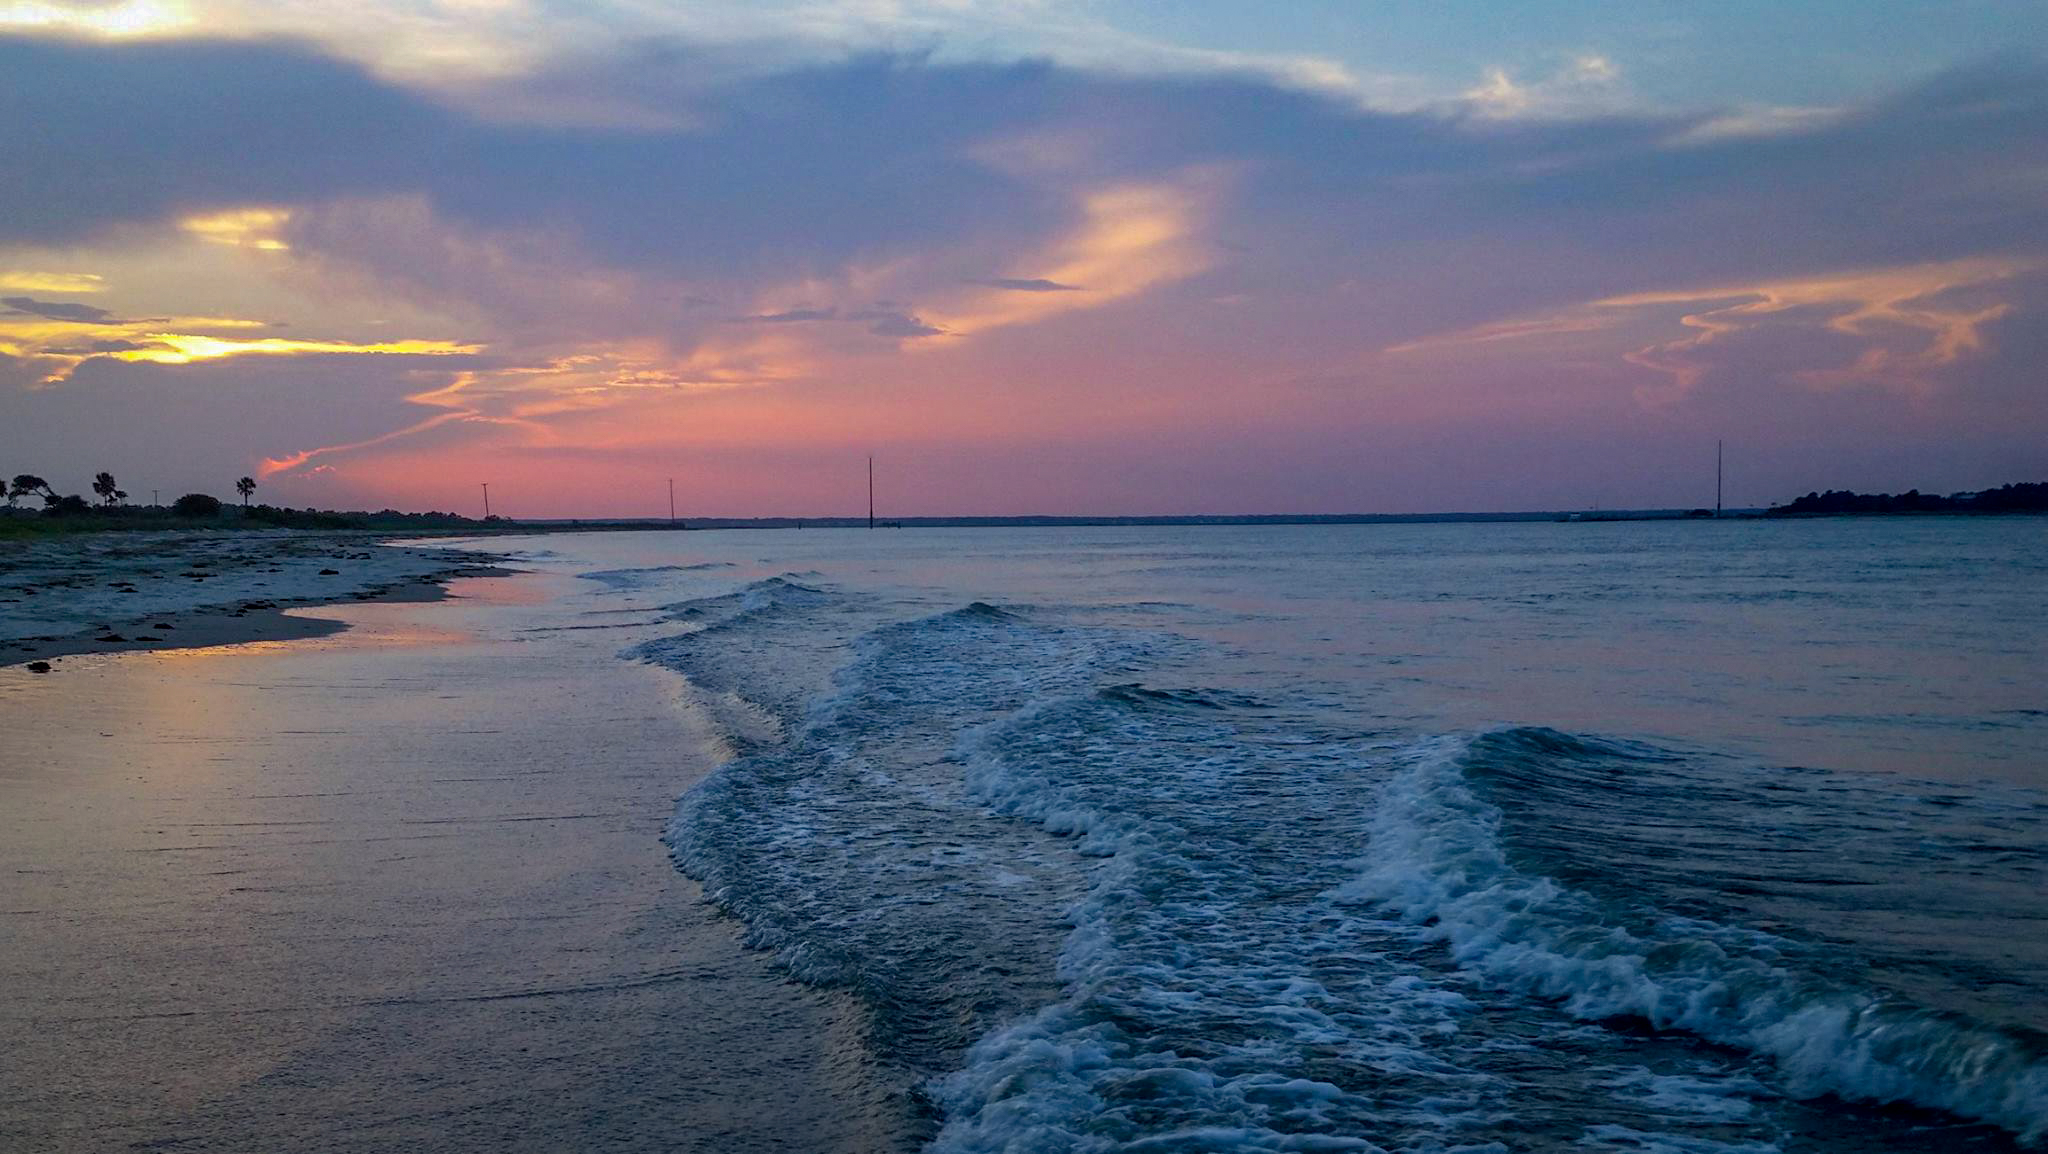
(871, 492)
(152, 498)
(487, 500)
(1717, 478)
(671, 502)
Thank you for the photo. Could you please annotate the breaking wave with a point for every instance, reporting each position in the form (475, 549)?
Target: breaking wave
(1090, 905)
(1436, 855)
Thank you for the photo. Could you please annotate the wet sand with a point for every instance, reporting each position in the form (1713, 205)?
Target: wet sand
(121, 592)
(396, 888)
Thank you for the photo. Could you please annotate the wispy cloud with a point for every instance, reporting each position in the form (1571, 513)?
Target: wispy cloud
(1131, 238)
(256, 228)
(1588, 84)
(304, 459)
(1583, 321)
(120, 19)
(1025, 284)
(897, 325)
(789, 316)
(1750, 123)
(1911, 322)
(882, 322)
(488, 56)
(31, 281)
(1902, 315)
(61, 336)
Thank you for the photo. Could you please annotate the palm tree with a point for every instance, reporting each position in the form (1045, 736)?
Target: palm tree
(103, 484)
(26, 484)
(245, 486)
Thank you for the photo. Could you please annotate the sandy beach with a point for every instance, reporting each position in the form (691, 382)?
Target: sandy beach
(118, 592)
(394, 888)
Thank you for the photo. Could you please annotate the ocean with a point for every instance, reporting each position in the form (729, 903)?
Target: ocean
(1650, 837)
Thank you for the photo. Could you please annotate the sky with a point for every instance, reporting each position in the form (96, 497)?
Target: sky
(1033, 256)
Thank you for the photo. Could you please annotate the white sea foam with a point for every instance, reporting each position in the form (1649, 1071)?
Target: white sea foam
(1171, 941)
(1434, 855)
(980, 787)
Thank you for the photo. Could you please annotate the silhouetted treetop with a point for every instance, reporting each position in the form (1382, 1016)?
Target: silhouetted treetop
(196, 505)
(2025, 497)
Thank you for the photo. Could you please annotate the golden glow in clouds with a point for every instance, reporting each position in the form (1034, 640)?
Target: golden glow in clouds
(132, 18)
(255, 228)
(179, 348)
(30, 281)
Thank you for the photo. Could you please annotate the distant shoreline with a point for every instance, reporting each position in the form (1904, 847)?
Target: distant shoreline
(1082, 522)
(1062, 521)
(31, 529)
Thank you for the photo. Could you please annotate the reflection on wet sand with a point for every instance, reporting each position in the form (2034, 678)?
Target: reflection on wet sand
(392, 888)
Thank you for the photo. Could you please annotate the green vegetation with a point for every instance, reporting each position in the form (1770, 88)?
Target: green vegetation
(202, 512)
(62, 514)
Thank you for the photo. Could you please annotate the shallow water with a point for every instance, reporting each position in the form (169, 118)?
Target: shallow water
(1654, 836)
(399, 889)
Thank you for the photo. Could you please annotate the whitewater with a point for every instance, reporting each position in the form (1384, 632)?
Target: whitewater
(1631, 837)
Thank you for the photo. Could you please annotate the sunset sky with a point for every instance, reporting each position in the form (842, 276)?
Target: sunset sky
(1036, 256)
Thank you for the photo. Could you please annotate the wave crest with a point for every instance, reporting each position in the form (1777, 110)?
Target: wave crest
(1436, 857)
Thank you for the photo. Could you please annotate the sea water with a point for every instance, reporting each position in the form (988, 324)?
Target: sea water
(1726, 836)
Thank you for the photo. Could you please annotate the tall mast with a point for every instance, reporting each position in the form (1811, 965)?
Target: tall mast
(1717, 478)
(871, 492)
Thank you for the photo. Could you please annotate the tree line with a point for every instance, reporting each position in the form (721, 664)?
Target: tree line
(110, 510)
(112, 497)
(2025, 497)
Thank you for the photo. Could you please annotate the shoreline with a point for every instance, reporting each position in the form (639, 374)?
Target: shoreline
(95, 586)
(400, 889)
(208, 626)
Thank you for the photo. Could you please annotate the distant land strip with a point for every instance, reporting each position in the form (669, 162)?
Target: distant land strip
(2025, 497)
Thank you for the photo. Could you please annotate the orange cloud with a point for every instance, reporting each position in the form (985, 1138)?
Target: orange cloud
(1907, 313)
(1128, 238)
(1871, 304)
(534, 399)
(1131, 238)
(271, 466)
